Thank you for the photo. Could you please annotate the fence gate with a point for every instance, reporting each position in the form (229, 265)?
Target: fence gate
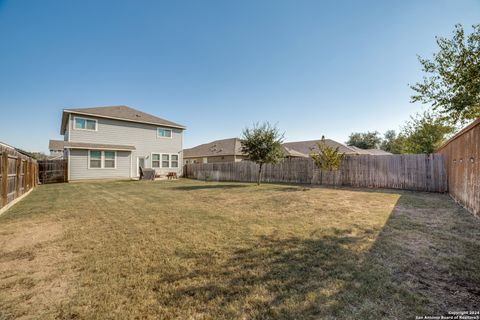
(53, 171)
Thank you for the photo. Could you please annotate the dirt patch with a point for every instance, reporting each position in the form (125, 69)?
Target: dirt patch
(35, 270)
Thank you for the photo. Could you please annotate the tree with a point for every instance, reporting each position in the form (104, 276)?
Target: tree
(369, 140)
(452, 80)
(328, 157)
(262, 144)
(425, 132)
(393, 142)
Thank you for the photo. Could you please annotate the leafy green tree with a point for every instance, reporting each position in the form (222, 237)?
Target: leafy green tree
(262, 144)
(328, 157)
(393, 142)
(425, 132)
(368, 140)
(452, 80)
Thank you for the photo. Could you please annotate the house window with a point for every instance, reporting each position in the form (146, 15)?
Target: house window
(95, 159)
(165, 160)
(164, 133)
(155, 160)
(102, 159)
(174, 163)
(85, 124)
(109, 159)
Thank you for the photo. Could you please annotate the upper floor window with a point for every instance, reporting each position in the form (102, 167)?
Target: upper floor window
(164, 133)
(85, 124)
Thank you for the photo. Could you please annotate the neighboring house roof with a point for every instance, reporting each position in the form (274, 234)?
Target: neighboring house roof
(300, 149)
(374, 152)
(225, 147)
(119, 113)
(306, 147)
(378, 152)
(293, 153)
(54, 144)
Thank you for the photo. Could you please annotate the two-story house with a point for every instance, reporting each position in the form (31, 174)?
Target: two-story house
(114, 142)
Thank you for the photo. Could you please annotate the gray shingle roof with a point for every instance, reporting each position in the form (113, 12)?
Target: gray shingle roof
(306, 146)
(60, 145)
(56, 145)
(225, 147)
(120, 113)
(233, 146)
(374, 152)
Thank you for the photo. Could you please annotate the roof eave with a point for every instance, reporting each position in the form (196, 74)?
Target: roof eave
(121, 119)
(98, 148)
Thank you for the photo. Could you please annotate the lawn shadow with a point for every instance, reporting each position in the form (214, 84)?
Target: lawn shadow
(421, 263)
(273, 279)
(207, 186)
(399, 271)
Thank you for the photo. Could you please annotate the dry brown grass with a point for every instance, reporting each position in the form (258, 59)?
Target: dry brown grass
(195, 250)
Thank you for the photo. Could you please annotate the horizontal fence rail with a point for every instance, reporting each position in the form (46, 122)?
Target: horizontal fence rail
(18, 174)
(53, 171)
(417, 172)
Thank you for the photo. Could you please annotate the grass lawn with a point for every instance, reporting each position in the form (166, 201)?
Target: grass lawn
(194, 250)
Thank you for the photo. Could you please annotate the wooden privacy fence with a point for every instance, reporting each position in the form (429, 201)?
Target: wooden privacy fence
(462, 160)
(52, 171)
(418, 172)
(18, 174)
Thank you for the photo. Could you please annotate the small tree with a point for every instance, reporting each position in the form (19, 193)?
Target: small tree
(327, 157)
(262, 144)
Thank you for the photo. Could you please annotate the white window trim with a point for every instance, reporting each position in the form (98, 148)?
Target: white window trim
(161, 160)
(178, 160)
(85, 118)
(162, 137)
(102, 160)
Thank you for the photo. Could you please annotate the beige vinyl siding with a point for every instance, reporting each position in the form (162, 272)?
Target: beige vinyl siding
(79, 167)
(142, 136)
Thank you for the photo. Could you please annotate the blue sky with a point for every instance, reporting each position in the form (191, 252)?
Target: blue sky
(313, 67)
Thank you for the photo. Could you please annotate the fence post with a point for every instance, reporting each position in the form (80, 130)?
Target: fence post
(17, 177)
(65, 170)
(4, 178)
(26, 176)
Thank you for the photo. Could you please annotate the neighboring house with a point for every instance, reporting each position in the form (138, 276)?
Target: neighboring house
(373, 152)
(56, 148)
(226, 150)
(113, 142)
(230, 150)
(306, 147)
